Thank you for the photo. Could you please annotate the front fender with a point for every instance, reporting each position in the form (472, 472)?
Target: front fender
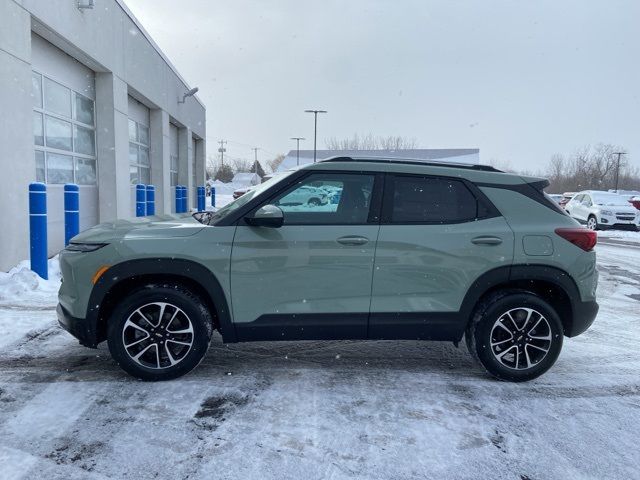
(147, 269)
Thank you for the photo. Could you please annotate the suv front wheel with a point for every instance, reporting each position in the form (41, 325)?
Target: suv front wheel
(159, 332)
(515, 335)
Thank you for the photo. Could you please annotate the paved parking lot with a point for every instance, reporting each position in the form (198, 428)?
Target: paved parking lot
(326, 409)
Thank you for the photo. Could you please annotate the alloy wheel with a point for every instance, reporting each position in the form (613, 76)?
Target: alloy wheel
(521, 338)
(158, 335)
(592, 223)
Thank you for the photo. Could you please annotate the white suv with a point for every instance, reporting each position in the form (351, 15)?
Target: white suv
(599, 210)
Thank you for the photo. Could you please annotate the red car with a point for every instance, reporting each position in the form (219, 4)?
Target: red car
(240, 191)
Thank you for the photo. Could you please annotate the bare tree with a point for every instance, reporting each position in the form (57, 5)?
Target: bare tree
(242, 165)
(211, 167)
(371, 142)
(591, 167)
(275, 163)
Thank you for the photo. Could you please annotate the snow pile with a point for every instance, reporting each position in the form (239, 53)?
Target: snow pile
(21, 286)
(224, 192)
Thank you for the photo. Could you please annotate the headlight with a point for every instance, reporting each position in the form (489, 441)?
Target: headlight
(606, 212)
(84, 247)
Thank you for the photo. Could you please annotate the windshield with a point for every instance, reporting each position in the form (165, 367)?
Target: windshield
(244, 199)
(609, 199)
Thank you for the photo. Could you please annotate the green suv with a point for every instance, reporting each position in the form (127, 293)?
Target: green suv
(400, 249)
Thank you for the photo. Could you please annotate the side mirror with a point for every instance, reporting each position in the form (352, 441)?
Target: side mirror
(203, 217)
(266, 216)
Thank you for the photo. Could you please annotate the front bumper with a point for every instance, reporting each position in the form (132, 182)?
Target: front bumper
(612, 221)
(76, 327)
(584, 313)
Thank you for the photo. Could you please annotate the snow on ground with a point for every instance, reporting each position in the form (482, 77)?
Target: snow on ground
(371, 410)
(619, 235)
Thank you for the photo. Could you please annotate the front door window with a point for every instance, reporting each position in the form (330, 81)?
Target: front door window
(327, 199)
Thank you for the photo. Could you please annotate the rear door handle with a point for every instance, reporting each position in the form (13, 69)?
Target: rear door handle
(352, 240)
(486, 240)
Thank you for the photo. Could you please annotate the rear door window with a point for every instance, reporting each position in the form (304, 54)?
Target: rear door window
(416, 199)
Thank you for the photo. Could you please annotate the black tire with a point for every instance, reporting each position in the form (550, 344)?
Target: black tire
(483, 334)
(183, 311)
(314, 201)
(595, 220)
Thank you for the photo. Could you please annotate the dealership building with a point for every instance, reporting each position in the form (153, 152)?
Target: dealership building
(87, 97)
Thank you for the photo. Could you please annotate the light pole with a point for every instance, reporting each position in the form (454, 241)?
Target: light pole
(297, 139)
(221, 150)
(315, 129)
(618, 166)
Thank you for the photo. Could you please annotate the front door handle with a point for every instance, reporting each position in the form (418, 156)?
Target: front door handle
(352, 240)
(486, 240)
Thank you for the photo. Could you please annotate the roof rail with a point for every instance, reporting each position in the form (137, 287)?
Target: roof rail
(414, 161)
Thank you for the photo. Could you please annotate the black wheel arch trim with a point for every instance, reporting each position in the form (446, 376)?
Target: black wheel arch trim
(529, 272)
(177, 267)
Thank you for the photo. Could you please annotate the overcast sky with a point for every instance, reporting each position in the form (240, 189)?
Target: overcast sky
(519, 80)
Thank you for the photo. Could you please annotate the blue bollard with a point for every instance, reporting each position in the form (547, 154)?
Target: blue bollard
(141, 200)
(179, 199)
(71, 211)
(201, 199)
(151, 200)
(184, 199)
(38, 228)
(213, 196)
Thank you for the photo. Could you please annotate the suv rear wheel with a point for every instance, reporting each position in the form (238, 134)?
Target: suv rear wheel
(515, 335)
(159, 332)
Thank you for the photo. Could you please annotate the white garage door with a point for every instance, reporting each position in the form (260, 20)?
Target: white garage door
(64, 134)
(139, 163)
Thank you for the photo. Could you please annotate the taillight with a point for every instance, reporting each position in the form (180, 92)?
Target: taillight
(581, 237)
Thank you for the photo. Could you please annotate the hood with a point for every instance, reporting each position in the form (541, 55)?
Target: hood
(148, 227)
(619, 208)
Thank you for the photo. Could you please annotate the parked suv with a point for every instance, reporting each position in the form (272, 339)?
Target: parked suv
(410, 250)
(601, 210)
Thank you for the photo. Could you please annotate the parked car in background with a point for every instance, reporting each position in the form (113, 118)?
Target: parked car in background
(237, 193)
(632, 196)
(556, 197)
(601, 210)
(412, 250)
(305, 195)
(566, 197)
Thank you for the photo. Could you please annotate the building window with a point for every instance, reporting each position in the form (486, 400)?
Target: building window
(139, 167)
(64, 133)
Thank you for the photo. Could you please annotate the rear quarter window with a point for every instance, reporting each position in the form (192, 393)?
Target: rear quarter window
(431, 200)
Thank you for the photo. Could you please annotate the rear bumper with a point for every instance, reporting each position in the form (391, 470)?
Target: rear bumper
(584, 313)
(76, 327)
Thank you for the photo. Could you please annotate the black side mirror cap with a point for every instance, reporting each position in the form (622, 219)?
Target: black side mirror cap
(266, 216)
